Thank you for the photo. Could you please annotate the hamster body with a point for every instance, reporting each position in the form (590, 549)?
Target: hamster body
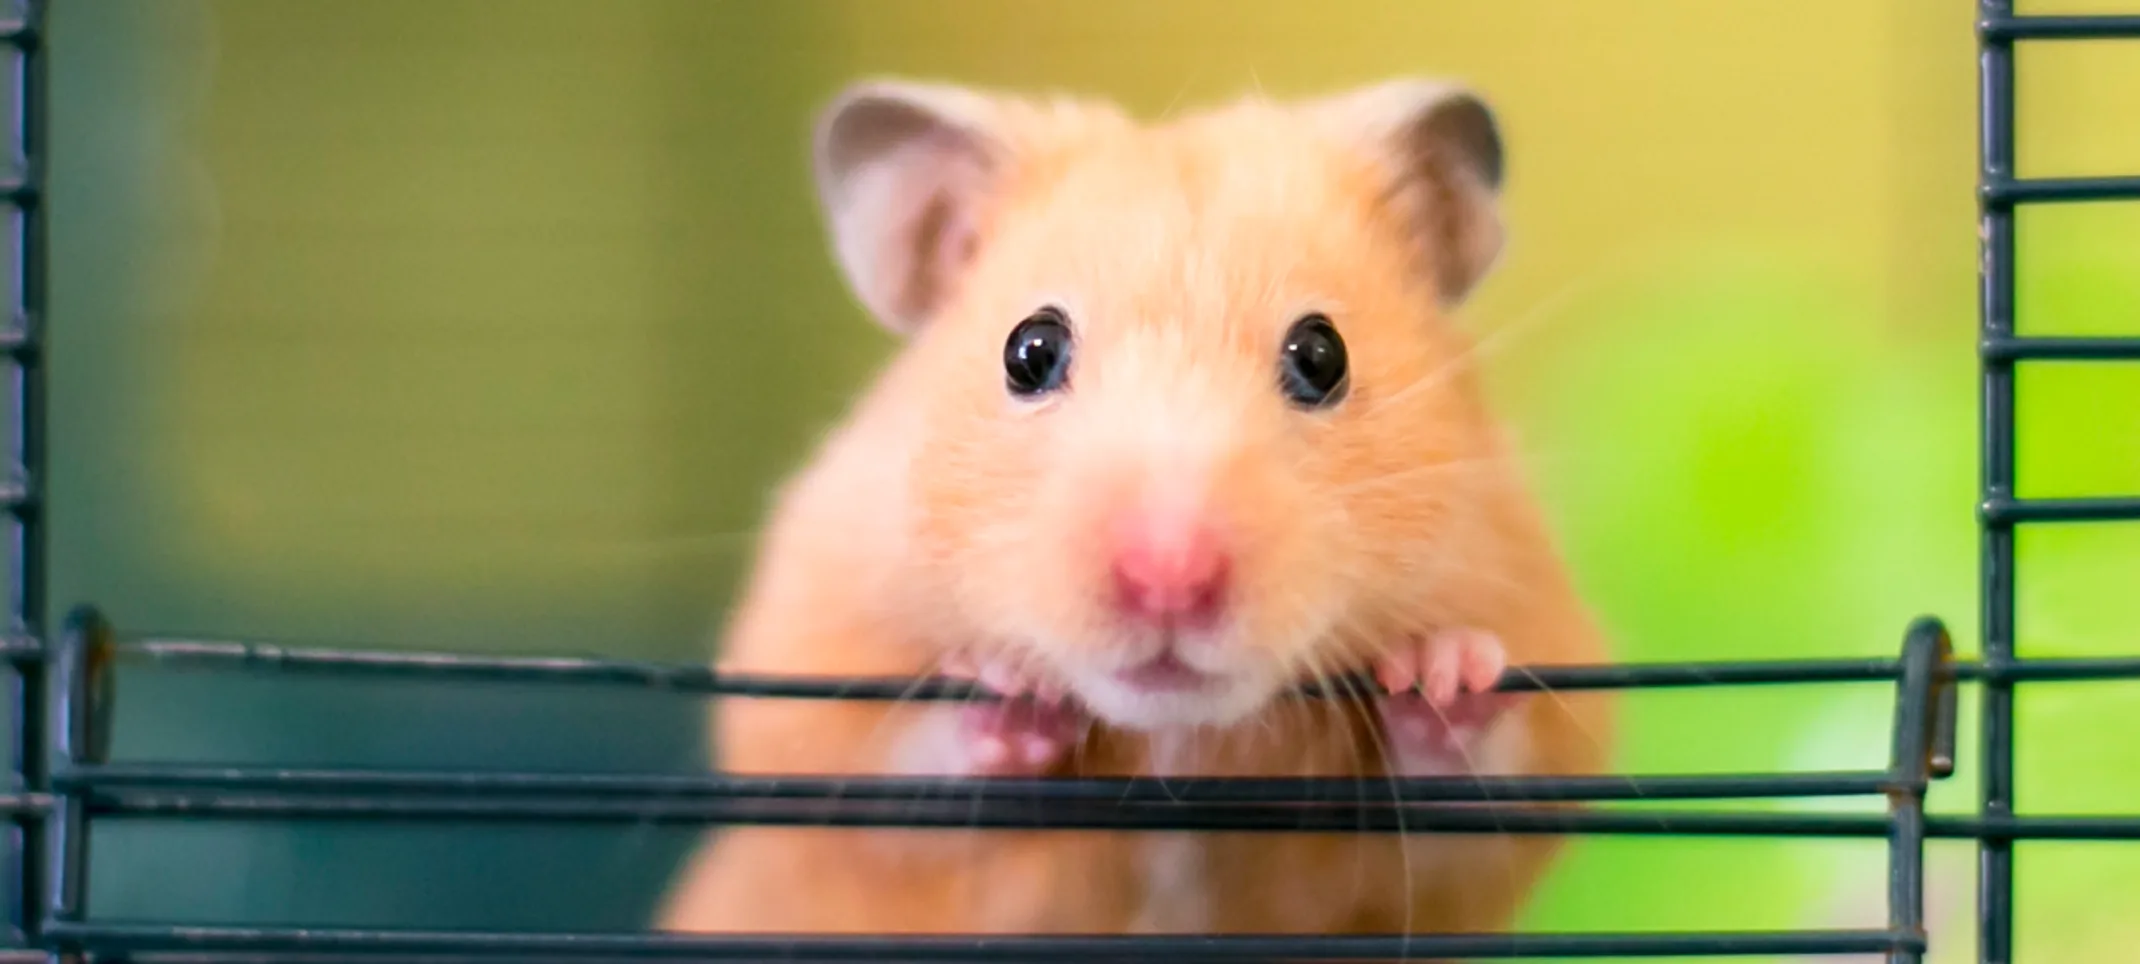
(1181, 422)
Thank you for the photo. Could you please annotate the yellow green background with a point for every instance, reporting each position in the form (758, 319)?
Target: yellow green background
(488, 325)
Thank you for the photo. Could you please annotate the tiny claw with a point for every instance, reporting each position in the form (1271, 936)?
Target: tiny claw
(1483, 664)
(1441, 682)
(1398, 672)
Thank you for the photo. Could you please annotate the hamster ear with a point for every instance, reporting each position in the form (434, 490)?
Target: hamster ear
(901, 170)
(1442, 149)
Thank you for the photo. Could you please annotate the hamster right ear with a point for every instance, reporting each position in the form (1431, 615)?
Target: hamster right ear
(902, 170)
(1443, 151)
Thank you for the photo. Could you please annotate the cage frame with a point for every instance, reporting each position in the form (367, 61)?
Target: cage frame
(61, 692)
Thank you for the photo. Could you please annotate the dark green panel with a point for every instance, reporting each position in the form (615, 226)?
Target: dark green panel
(410, 324)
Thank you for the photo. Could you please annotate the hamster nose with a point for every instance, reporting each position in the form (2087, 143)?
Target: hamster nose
(1170, 575)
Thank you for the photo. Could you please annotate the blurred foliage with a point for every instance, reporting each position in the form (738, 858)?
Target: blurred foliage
(430, 325)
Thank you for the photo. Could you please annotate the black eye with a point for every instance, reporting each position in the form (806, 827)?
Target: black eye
(1311, 367)
(1036, 360)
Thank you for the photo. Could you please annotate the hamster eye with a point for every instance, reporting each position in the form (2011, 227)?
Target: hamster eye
(1036, 360)
(1311, 366)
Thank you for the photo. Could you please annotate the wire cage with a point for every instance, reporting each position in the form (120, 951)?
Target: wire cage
(61, 693)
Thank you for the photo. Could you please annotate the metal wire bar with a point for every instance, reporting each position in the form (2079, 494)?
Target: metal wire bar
(68, 681)
(695, 678)
(2004, 193)
(1106, 790)
(1995, 865)
(1921, 698)
(2005, 512)
(948, 811)
(2060, 348)
(949, 808)
(455, 946)
(958, 813)
(25, 462)
(699, 679)
(1998, 24)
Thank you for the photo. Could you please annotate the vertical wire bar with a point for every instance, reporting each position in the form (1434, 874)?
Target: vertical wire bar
(1995, 869)
(1920, 703)
(70, 671)
(27, 535)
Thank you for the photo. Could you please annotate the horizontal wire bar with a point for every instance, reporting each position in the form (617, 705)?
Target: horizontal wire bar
(2076, 669)
(955, 814)
(316, 957)
(2033, 827)
(2050, 190)
(698, 678)
(960, 814)
(20, 647)
(2060, 348)
(14, 805)
(136, 938)
(15, 492)
(1112, 790)
(19, 338)
(2098, 509)
(2060, 27)
(298, 957)
(948, 813)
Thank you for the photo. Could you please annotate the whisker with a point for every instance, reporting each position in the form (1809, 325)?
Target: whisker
(1551, 308)
(1479, 777)
(1355, 716)
(1568, 708)
(876, 732)
(1427, 471)
(1391, 772)
(1174, 103)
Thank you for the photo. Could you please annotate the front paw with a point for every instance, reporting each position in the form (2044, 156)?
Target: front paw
(1441, 699)
(1030, 729)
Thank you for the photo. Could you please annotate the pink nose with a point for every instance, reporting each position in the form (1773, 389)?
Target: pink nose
(1170, 575)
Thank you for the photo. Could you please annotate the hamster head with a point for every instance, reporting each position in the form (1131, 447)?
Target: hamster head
(1195, 427)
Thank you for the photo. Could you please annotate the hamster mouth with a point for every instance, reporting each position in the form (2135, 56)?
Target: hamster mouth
(1166, 673)
(1168, 691)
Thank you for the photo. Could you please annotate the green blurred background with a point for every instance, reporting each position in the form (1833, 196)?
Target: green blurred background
(487, 325)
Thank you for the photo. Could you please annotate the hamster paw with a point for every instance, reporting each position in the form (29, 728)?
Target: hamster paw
(1026, 733)
(1441, 699)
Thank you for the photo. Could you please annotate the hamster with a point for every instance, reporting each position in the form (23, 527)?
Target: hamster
(1180, 421)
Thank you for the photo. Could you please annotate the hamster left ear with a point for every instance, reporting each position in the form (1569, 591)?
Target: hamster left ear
(1442, 149)
(902, 170)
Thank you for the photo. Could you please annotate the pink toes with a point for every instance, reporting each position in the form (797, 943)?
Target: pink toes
(1442, 699)
(1026, 733)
